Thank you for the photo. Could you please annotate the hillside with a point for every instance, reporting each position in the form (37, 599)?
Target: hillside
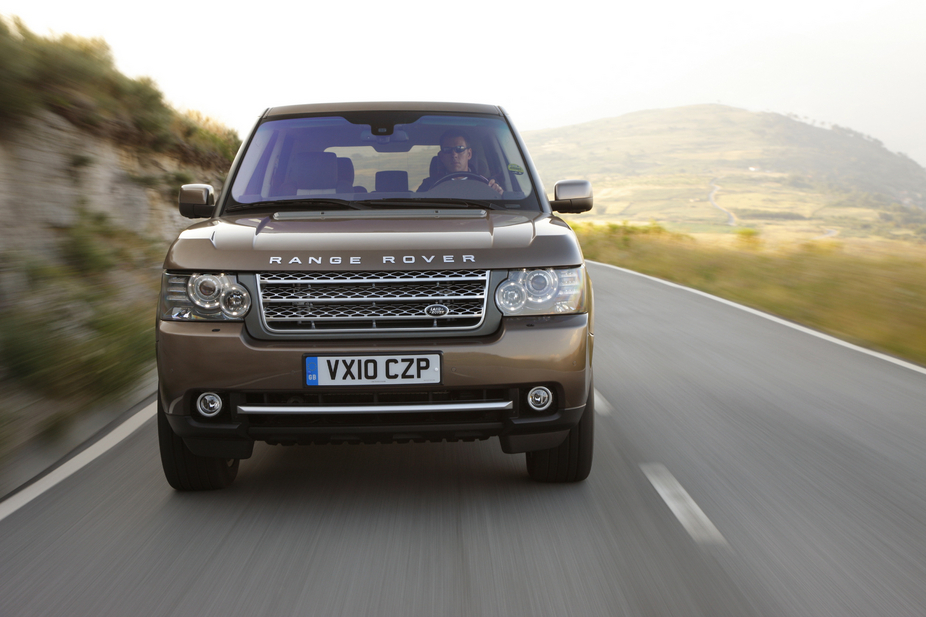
(90, 165)
(773, 173)
(77, 79)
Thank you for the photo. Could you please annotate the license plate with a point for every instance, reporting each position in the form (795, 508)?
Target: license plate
(372, 370)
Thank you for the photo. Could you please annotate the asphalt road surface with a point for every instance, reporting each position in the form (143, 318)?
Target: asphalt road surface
(742, 468)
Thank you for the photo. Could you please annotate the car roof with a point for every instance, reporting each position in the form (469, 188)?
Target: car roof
(323, 108)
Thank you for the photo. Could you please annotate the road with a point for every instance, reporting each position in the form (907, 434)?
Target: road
(807, 458)
(731, 220)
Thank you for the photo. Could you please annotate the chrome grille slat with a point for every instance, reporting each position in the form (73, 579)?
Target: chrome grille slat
(295, 302)
(373, 276)
(364, 293)
(304, 299)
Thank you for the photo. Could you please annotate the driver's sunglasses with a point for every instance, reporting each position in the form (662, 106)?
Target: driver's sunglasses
(457, 149)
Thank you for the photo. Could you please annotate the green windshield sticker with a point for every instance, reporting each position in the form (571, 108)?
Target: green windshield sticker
(517, 169)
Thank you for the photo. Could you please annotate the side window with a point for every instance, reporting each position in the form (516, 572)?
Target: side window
(254, 169)
(512, 165)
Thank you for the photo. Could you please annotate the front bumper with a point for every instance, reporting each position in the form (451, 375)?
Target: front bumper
(483, 386)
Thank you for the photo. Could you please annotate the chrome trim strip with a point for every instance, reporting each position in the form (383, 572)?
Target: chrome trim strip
(315, 281)
(361, 281)
(368, 318)
(407, 408)
(290, 299)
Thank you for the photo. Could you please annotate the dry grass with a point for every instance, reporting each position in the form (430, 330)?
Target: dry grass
(874, 299)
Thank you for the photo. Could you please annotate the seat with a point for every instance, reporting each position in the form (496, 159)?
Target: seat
(313, 173)
(346, 177)
(392, 181)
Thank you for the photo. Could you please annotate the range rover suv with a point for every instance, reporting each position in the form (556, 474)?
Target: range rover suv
(375, 273)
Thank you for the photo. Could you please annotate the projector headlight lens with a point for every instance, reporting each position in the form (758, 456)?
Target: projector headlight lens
(205, 290)
(548, 291)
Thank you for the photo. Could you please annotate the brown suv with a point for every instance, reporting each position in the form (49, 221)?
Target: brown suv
(371, 273)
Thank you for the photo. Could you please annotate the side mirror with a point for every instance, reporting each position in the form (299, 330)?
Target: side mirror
(197, 201)
(572, 196)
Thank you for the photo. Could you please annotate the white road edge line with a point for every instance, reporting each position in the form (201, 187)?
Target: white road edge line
(784, 322)
(602, 406)
(692, 518)
(32, 491)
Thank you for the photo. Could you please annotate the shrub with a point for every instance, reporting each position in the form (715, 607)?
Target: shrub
(748, 238)
(77, 78)
(85, 246)
(110, 354)
(16, 98)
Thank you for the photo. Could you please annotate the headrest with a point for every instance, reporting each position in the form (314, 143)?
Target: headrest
(437, 168)
(315, 170)
(345, 170)
(392, 181)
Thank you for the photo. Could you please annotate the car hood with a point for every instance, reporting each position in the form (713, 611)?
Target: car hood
(376, 240)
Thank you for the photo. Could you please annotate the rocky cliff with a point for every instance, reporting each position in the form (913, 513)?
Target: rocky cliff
(84, 223)
(50, 170)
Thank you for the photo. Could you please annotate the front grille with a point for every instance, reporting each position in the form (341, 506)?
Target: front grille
(293, 302)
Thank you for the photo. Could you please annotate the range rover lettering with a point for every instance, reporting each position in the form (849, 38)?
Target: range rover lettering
(376, 273)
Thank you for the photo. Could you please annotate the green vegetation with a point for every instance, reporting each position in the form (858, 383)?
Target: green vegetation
(77, 79)
(874, 301)
(106, 353)
(76, 321)
(168, 184)
(82, 327)
(791, 180)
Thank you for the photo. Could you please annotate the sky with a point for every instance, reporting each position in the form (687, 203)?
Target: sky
(856, 63)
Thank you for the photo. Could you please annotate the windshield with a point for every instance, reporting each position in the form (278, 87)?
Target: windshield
(377, 161)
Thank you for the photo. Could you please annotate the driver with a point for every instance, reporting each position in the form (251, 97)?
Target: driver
(455, 154)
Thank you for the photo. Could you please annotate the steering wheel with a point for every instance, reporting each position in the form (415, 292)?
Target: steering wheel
(465, 175)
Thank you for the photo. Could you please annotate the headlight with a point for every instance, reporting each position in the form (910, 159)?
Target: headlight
(205, 290)
(542, 292)
(203, 297)
(235, 301)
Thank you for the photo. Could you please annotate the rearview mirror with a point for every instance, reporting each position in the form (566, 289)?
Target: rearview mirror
(197, 201)
(572, 196)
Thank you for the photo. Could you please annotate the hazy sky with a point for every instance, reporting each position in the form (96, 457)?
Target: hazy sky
(856, 63)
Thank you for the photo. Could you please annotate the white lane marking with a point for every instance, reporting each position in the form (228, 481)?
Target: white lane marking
(32, 491)
(602, 406)
(805, 330)
(692, 518)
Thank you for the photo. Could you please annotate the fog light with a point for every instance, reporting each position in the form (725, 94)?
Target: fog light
(209, 404)
(539, 398)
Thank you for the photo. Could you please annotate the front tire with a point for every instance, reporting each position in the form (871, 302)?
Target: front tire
(571, 461)
(186, 471)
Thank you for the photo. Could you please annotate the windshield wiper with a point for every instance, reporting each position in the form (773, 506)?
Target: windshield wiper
(301, 203)
(443, 201)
